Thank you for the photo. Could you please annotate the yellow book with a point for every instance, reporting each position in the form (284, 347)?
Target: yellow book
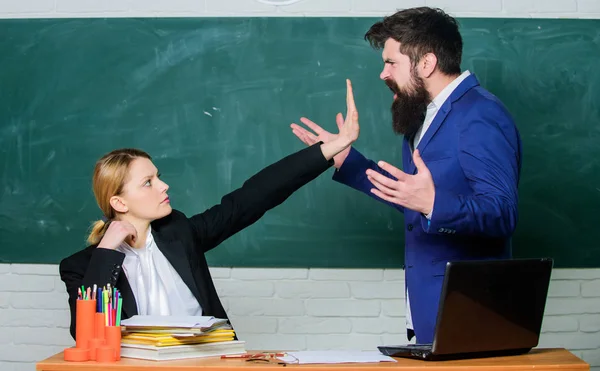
(160, 339)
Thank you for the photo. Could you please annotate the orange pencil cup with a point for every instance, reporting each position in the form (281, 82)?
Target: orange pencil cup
(86, 309)
(105, 354)
(76, 355)
(99, 324)
(113, 339)
(94, 345)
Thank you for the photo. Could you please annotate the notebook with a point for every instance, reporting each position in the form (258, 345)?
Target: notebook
(161, 353)
(487, 308)
(174, 324)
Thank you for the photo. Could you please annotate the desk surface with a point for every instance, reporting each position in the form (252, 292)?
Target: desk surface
(538, 359)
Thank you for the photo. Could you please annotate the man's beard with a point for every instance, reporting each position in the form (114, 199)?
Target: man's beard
(410, 105)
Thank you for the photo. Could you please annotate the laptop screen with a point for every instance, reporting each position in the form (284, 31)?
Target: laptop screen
(492, 305)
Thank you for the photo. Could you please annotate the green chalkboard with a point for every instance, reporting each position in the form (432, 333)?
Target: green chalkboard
(211, 99)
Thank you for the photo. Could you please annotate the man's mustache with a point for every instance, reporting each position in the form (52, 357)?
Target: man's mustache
(393, 86)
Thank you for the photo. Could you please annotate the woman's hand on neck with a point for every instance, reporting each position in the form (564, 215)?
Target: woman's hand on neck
(141, 226)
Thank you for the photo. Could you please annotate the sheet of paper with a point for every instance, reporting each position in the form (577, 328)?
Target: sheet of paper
(170, 321)
(335, 356)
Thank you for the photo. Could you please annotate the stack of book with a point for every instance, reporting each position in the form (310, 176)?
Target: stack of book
(169, 337)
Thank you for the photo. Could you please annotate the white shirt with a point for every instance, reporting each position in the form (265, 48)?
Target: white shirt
(432, 110)
(156, 285)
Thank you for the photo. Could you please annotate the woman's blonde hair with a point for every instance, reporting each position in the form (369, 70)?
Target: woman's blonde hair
(110, 175)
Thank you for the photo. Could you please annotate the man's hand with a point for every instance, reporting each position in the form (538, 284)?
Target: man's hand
(414, 192)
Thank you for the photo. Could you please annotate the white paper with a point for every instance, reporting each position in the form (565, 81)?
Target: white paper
(170, 321)
(335, 356)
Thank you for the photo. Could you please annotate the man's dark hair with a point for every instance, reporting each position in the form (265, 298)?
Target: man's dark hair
(420, 31)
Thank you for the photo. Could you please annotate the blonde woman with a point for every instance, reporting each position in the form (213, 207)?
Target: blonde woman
(153, 254)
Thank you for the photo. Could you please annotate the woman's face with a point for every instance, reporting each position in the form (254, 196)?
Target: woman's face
(144, 194)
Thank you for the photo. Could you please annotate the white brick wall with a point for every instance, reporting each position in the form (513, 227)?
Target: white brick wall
(289, 309)
(282, 8)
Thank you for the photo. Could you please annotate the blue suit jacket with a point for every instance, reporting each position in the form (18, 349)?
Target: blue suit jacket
(473, 151)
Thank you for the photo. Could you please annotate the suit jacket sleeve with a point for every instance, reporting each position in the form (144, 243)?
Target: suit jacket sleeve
(260, 193)
(103, 268)
(489, 154)
(353, 174)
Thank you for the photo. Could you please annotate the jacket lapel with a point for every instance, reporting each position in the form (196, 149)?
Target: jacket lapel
(466, 85)
(176, 254)
(407, 162)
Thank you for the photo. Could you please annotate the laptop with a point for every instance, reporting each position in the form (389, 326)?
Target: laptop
(487, 308)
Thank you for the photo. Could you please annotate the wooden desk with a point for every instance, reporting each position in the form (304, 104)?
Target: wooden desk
(537, 359)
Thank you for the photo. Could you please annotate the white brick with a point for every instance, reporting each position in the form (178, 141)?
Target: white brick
(17, 366)
(383, 6)
(555, 6)
(342, 308)
(518, 6)
(563, 288)
(270, 342)
(316, 6)
(396, 339)
(346, 274)
(247, 274)
(10, 366)
(59, 285)
(589, 323)
(26, 282)
(29, 6)
(171, 6)
(311, 289)
(393, 308)
(572, 306)
(254, 325)
(91, 6)
(38, 301)
(569, 340)
(377, 290)
(43, 336)
(35, 269)
(378, 325)
(592, 357)
(591, 288)
(237, 7)
(241, 289)
(4, 299)
(343, 342)
(216, 272)
(471, 6)
(21, 366)
(575, 274)
(307, 325)
(394, 275)
(560, 324)
(539, 6)
(588, 6)
(266, 307)
(5, 268)
(27, 353)
(35, 318)
(7, 335)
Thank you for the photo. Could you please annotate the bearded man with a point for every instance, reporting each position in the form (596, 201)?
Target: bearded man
(461, 156)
